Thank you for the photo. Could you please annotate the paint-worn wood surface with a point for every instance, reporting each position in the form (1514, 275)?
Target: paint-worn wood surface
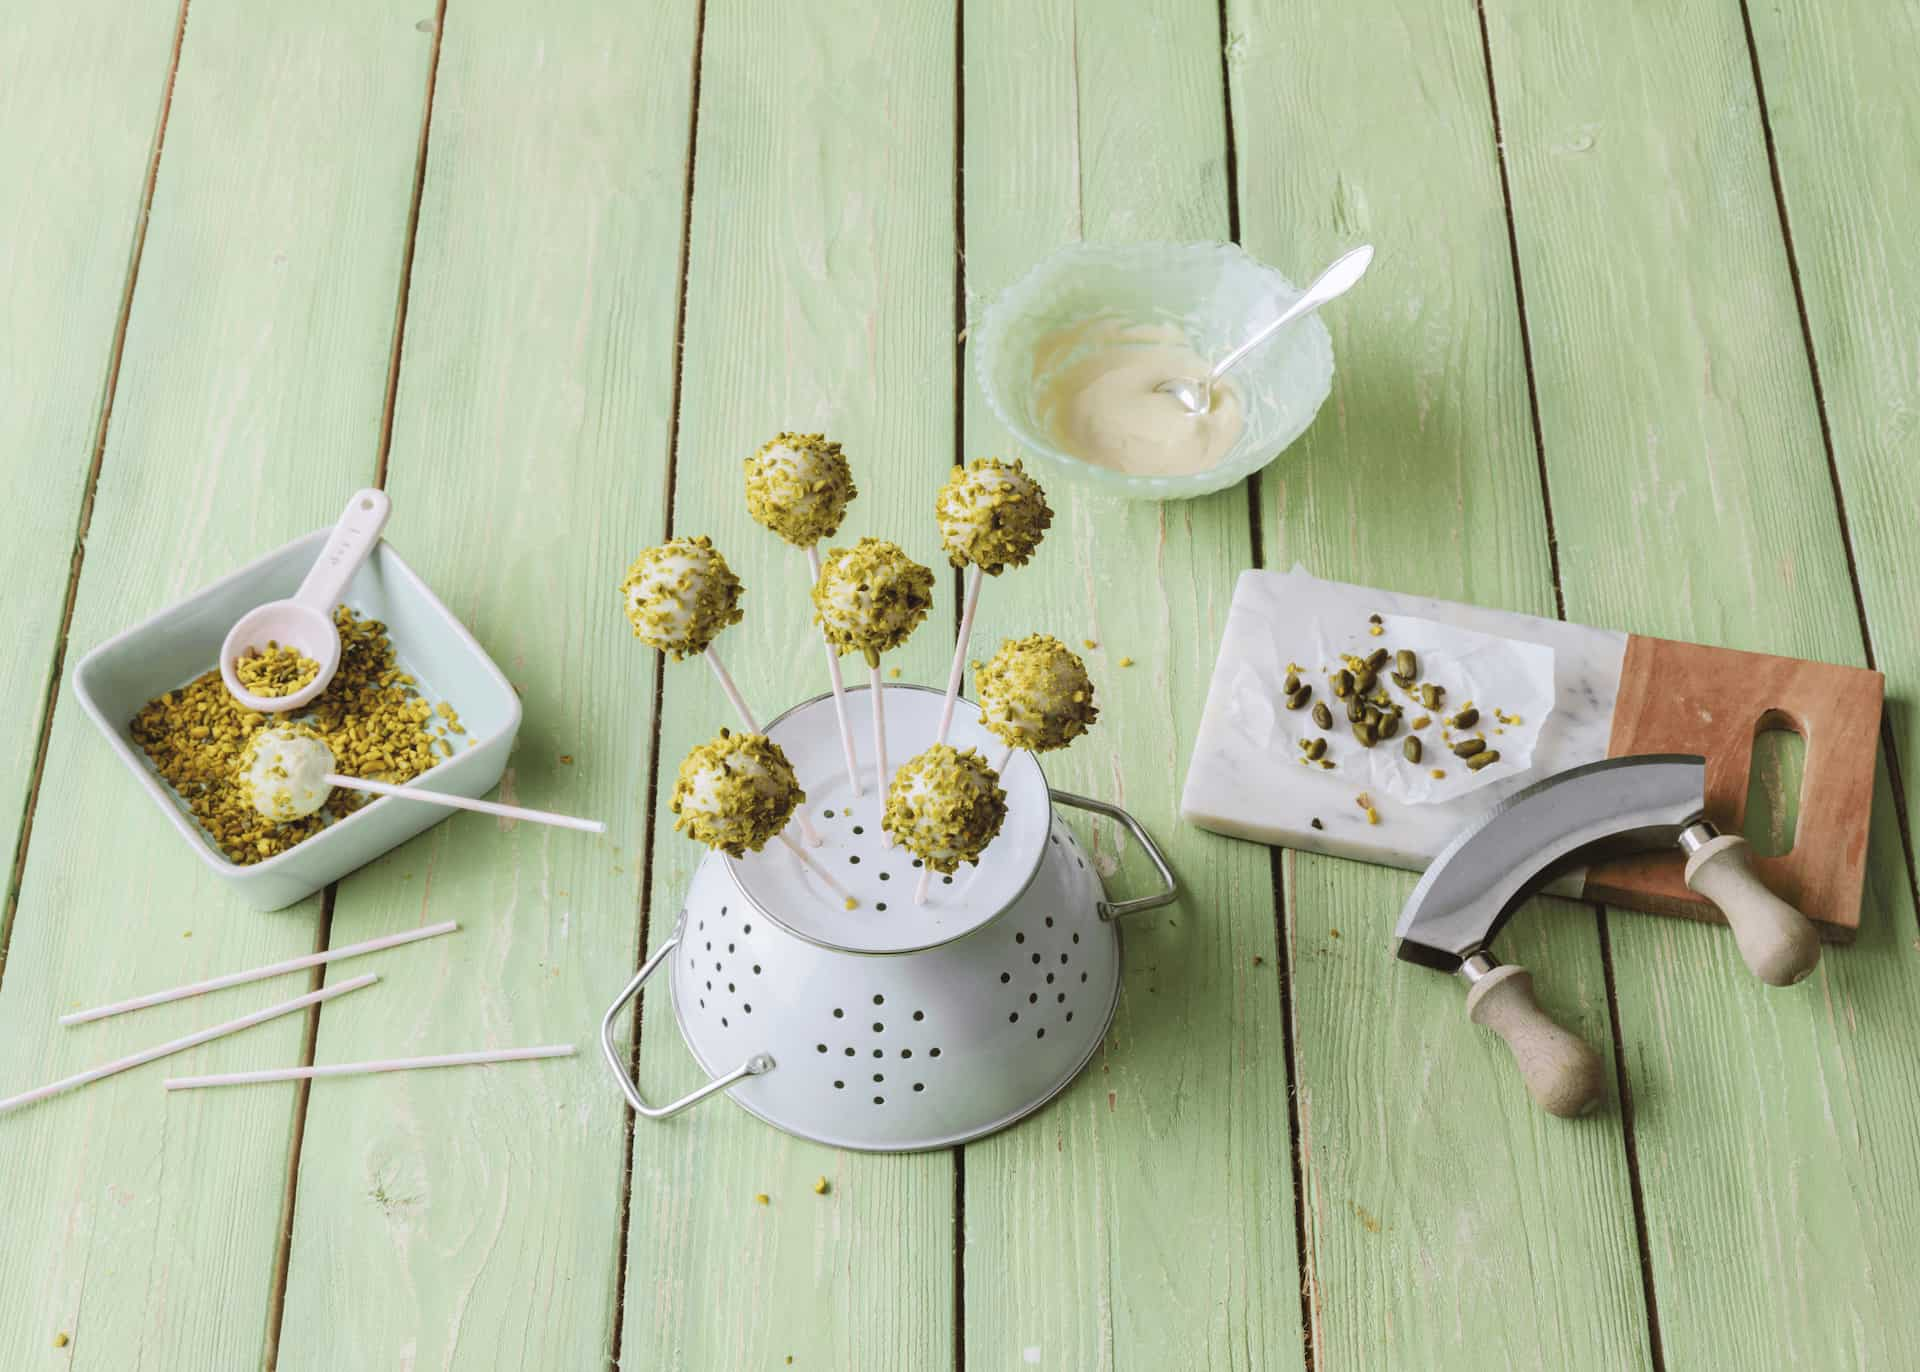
(525, 395)
(248, 400)
(1637, 348)
(1083, 1230)
(1692, 500)
(68, 231)
(1422, 1160)
(819, 295)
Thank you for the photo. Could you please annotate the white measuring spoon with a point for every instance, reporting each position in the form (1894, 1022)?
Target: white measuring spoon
(305, 621)
(1196, 393)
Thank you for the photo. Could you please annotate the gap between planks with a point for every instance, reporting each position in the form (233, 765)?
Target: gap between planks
(1276, 864)
(56, 668)
(283, 1250)
(1635, 1189)
(1902, 820)
(617, 1333)
(959, 1153)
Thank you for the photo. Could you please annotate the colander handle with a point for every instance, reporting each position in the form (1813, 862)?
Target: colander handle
(752, 1067)
(1119, 909)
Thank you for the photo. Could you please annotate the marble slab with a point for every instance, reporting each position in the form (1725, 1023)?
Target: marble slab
(1245, 779)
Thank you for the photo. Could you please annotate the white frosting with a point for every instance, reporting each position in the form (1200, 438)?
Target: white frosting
(287, 775)
(659, 588)
(917, 789)
(959, 518)
(702, 796)
(851, 610)
(1102, 406)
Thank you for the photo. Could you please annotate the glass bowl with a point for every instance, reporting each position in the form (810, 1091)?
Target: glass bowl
(1213, 292)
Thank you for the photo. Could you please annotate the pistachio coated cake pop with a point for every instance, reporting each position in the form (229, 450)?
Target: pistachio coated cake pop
(284, 772)
(798, 485)
(945, 806)
(992, 514)
(870, 597)
(680, 594)
(1035, 693)
(735, 792)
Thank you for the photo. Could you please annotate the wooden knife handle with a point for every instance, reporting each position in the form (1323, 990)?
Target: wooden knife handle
(1776, 940)
(1565, 1077)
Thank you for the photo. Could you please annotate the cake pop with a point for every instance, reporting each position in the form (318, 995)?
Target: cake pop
(992, 516)
(679, 596)
(738, 791)
(869, 599)
(1035, 694)
(945, 807)
(288, 772)
(284, 772)
(798, 485)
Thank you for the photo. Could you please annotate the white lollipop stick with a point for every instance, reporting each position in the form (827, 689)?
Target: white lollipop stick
(839, 686)
(974, 577)
(814, 867)
(354, 1069)
(1006, 756)
(753, 727)
(485, 807)
(732, 691)
(920, 891)
(276, 969)
(180, 1045)
(879, 731)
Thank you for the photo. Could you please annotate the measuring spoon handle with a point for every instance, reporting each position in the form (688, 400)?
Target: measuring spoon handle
(352, 540)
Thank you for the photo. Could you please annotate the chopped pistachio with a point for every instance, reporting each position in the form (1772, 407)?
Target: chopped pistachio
(370, 717)
(279, 671)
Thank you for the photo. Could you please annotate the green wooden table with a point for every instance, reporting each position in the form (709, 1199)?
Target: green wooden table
(1639, 348)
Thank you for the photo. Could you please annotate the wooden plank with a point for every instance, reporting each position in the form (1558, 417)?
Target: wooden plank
(1145, 1219)
(529, 451)
(249, 399)
(819, 297)
(1443, 1209)
(67, 231)
(1839, 88)
(1774, 1129)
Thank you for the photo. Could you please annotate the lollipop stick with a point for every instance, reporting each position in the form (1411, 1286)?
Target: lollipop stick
(816, 869)
(1006, 756)
(276, 969)
(733, 691)
(879, 725)
(354, 1069)
(920, 891)
(753, 727)
(179, 1045)
(974, 578)
(485, 807)
(839, 687)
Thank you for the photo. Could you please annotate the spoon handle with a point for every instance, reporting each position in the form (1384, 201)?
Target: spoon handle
(1335, 281)
(352, 539)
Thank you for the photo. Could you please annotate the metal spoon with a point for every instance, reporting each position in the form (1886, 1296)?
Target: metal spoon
(305, 621)
(1197, 394)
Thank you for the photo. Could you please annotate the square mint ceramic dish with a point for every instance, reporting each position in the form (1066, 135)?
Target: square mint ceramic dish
(121, 675)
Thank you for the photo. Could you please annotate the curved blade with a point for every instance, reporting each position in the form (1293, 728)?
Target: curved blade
(1621, 805)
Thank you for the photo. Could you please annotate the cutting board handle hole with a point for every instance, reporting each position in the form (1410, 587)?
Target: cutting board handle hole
(1774, 779)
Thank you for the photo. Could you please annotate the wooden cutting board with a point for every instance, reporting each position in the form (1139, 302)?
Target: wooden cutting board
(1615, 695)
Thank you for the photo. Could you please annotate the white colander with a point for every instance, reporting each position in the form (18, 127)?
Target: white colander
(907, 1027)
